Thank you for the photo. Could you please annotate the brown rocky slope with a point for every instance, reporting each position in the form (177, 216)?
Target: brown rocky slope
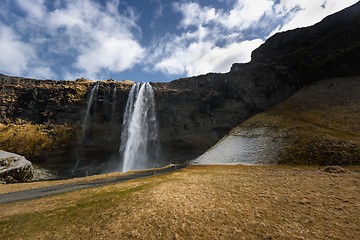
(317, 125)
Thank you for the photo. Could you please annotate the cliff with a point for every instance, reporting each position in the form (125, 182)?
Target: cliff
(196, 112)
(193, 113)
(43, 120)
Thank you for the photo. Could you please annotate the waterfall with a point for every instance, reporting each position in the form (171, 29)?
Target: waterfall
(92, 96)
(139, 143)
(84, 127)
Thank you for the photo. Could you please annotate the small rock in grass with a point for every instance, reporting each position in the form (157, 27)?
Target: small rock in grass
(334, 169)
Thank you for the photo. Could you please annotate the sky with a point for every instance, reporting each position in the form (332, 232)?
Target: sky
(143, 40)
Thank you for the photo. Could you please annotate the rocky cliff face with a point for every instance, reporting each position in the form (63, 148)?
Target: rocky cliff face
(196, 112)
(43, 119)
(193, 113)
(327, 49)
(59, 102)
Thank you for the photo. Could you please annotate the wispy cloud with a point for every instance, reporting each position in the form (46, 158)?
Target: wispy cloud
(16, 55)
(35, 10)
(101, 37)
(88, 37)
(312, 11)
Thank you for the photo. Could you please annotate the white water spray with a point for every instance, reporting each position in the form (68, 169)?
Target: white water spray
(139, 140)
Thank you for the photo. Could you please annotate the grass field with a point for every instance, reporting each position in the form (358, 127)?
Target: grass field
(199, 202)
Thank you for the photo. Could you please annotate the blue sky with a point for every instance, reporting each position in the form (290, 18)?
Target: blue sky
(143, 40)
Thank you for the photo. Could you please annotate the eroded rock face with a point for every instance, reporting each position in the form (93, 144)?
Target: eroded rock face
(14, 168)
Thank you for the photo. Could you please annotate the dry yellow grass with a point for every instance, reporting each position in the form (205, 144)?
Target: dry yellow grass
(202, 202)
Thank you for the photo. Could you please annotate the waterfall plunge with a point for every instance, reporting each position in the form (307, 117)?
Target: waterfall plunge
(139, 143)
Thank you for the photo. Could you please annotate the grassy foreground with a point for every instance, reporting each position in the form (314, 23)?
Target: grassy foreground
(200, 202)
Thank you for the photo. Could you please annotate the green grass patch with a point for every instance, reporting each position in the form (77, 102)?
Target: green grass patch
(87, 210)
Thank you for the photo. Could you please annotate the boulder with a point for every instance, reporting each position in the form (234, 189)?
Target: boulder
(334, 169)
(14, 168)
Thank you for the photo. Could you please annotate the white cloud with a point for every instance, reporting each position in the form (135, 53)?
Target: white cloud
(19, 58)
(181, 58)
(204, 57)
(15, 55)
(34, 9)
(41, 71)
(114, 54)
(194, 14)
(102, 38)
(312, 11)
(245, 13)
(90, 37)
(241, 15)
(219, 59)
